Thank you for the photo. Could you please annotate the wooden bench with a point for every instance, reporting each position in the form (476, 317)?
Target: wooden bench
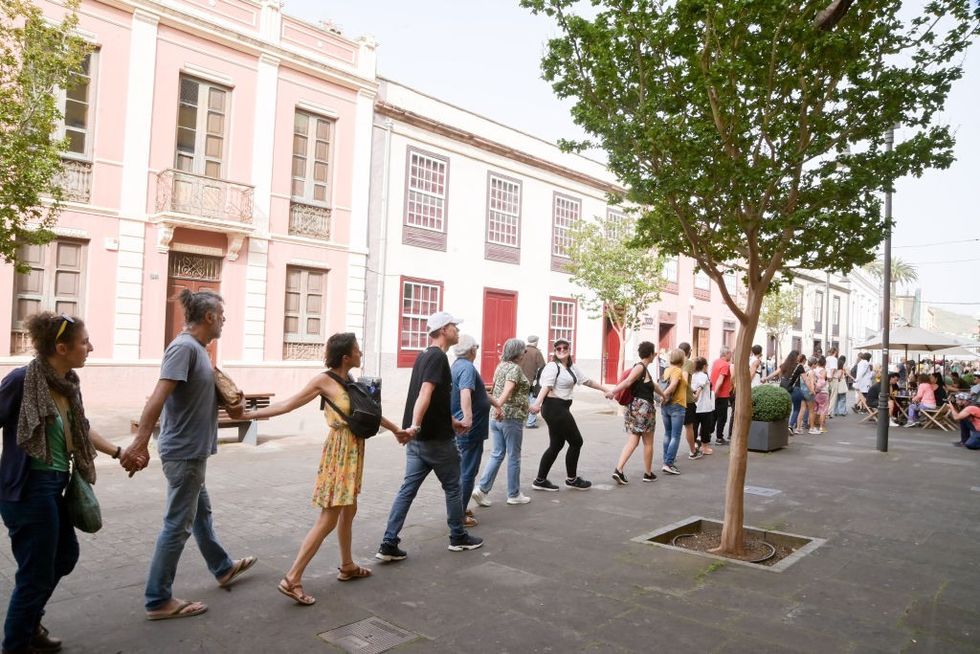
(248, 430)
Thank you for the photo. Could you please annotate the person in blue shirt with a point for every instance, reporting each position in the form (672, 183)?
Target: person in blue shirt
(470, 405)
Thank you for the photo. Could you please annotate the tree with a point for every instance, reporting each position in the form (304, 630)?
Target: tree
(779, 312)
(36, 58)
(903, 273)
(753, 133)
(622, 280)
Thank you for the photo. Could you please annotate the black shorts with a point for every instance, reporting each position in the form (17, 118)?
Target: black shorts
(691, 414)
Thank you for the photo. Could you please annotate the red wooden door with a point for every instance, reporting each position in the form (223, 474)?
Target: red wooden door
(499, 324)
(183, 269)
(611, 367)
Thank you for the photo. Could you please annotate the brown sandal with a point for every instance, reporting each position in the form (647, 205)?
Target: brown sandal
(357, 572)
(295, 593)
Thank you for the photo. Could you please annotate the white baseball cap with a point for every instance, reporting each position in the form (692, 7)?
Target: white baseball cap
(440, 319)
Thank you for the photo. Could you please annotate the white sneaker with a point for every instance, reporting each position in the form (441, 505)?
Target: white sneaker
(892, 423)
(814, 431)
(480, 497)
(520, 498)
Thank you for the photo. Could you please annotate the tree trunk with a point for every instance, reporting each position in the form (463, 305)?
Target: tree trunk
(621, 364)
(731, 533)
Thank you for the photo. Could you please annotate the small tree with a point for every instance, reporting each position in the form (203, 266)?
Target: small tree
(621, 280)
(779, 311)
(36, 58)
(755, 133)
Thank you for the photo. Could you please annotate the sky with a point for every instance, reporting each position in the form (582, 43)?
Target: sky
(484, 56)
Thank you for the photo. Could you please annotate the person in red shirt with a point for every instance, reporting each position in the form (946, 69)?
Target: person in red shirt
(968, 415)
(721, 384)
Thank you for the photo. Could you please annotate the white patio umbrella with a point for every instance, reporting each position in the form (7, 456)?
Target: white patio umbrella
(911, 338)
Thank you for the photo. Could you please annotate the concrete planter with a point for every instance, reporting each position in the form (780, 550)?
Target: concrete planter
(768, 436)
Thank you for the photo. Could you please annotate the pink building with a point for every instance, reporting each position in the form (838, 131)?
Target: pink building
(214, 144)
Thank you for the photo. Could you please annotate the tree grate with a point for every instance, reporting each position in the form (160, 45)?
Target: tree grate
(369, 636)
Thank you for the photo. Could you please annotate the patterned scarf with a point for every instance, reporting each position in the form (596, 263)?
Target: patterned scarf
(38, 411)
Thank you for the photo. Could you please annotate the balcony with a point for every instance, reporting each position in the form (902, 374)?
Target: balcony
(203, 201)
(76, 180)
(309, 220)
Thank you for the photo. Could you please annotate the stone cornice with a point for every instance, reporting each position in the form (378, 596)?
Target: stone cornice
(487, 145)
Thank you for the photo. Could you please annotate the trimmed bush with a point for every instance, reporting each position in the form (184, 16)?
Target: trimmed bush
(770, 403)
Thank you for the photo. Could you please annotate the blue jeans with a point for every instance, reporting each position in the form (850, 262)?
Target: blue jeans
(532, 418)
(797, 397)
(673, 426)
(188, 511)
(508, 435)
(973, 442)
(421, 458)
(43, 542)
(470, 452)
(841, 408)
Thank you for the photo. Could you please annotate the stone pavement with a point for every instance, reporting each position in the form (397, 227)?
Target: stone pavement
(899, 572)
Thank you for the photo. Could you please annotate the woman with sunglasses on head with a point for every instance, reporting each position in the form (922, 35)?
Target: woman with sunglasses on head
(44, 431)
(558, 380)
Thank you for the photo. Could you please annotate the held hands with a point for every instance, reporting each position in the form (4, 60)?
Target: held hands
(237, 412)
(610, 395)
(534, 408)
(498, 413)
(404, 435)
(135, 458)
(459, 427)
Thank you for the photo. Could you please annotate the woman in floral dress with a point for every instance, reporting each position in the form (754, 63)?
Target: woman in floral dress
(338, 481)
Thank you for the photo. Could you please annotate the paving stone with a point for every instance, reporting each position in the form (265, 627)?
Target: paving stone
(945, 621)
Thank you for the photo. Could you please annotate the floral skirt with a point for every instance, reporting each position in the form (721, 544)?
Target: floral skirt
(338, 479)
(641, 416)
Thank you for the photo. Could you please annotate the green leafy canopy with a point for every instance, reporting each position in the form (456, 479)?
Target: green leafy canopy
(622, 280)
(36, 58)
(752, 132)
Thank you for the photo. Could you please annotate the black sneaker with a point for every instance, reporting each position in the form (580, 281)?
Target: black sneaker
(620, 477)
(671, 469)
(578, 483)
(544, 485)
(649, 476)
(390, 553)
(958, 443)
(721, 441)
(466, 542)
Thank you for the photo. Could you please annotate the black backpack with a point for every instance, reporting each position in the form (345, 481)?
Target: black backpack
(365, 413)
(536, 382)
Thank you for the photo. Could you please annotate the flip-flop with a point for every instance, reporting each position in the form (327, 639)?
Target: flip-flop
(179, 611)
(357, 573)
(295, 593)
(238, 569)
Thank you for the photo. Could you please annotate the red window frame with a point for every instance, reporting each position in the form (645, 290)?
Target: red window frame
(553, 330)
(408, 353)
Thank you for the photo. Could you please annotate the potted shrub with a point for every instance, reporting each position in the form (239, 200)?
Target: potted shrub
(771, 406)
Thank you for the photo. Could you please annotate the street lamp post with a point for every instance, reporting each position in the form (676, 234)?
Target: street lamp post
(886, 314)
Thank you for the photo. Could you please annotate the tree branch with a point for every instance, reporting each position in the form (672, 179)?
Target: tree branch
(832, 14)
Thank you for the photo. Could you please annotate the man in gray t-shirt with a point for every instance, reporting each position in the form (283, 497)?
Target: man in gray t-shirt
(185, 394)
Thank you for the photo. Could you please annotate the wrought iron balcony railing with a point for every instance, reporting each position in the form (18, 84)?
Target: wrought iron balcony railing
(76, 180)
(204, 197)
(309, 220)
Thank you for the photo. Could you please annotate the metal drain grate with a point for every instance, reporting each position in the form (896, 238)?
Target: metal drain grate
(760, 490)
(369, 636)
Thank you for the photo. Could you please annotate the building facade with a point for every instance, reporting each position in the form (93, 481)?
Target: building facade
(472, 217)
(213, 144)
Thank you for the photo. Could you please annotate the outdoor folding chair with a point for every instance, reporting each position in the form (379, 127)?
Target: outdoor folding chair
(936, 418)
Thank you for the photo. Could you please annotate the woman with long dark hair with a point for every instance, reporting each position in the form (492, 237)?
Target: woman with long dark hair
(641, 414)
(789, 375)
(558, 380)
(338, 481)
(45, 432)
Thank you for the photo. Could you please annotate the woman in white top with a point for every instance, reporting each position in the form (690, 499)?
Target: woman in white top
(558, 380)
(704, 402)
(756, 369)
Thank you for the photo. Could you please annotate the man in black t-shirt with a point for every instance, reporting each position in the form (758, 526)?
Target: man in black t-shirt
(428, 417)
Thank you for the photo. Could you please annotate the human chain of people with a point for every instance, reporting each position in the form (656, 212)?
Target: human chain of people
(49, 445)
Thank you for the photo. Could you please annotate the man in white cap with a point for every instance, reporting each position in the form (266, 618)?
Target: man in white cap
(428, 417)
(533, 362)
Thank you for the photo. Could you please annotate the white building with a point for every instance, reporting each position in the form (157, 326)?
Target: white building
(470, 216)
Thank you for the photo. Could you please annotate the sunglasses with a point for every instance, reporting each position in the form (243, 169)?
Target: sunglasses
(65, 320)
(561, 348)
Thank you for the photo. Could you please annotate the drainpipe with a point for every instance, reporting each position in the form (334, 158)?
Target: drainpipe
(383, 250)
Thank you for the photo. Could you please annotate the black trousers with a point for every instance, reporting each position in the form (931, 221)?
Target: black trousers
(721, 416)
(704, 424)
(561, 429)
